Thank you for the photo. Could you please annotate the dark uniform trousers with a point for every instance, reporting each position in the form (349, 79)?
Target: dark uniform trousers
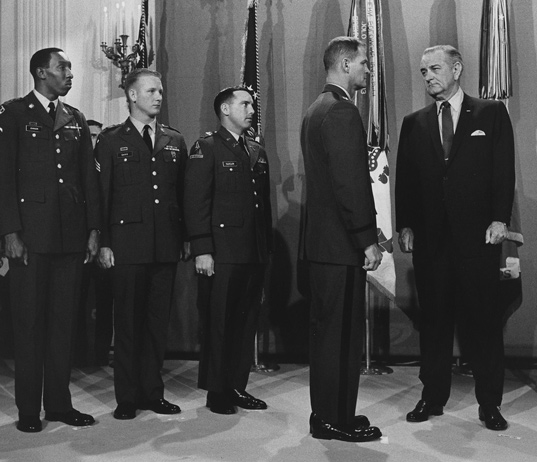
(48, 195)
(43, 295)
(229, 303)
(336, 339)
(142, 301)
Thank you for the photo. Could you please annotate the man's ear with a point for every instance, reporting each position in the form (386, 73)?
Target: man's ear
(457, 70)
(224, 108)
(41, 73)
(132, 94)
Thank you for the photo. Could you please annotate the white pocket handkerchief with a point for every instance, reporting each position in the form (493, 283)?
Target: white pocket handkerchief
(478, 133)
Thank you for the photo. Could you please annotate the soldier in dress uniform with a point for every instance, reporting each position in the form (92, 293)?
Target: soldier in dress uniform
(49, 219)
(229, 225)
(141, 164)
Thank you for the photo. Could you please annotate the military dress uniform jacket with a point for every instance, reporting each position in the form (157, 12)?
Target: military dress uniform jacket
(340, 217)
(48, 184)
(141, 193)
(227, 200)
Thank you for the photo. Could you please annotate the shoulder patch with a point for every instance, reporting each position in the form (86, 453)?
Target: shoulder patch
(195, 152)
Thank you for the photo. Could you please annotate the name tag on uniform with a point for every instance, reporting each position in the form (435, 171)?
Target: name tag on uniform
(230, 163)
(124, 154)
(33, 127)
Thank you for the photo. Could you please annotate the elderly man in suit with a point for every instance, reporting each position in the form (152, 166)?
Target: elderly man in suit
(454, 195)
(141, 165)
(229, 222)
(49, 220)
(339, 242)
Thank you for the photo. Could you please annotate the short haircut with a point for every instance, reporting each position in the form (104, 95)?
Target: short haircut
(451, 52)
(41, 58)
(226, 95)
(133, 77)
(94, 123)
(341, 47)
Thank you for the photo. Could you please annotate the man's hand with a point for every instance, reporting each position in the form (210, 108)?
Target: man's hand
(15, 248)
(496, 233)
(92, 247)
(373, 257)
(406, 240)
(205, 264)
(106, 258)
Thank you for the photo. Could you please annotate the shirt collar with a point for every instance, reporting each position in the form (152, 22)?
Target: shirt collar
(455, 101)
(44, 100)
(345, 91)
(140, 126)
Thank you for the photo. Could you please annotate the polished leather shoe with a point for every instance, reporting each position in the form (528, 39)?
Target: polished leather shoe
(160, 406)
(492, 417)
(220, 403)
(246, 400)
(423, 410)
(125, 411)
(326, 431)
(29, 423)
(360, 421)
(73, 418)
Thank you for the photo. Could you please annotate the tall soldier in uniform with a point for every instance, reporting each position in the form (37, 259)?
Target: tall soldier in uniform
(229, 224)
(49, 219)
(339, 242)
(141, 165)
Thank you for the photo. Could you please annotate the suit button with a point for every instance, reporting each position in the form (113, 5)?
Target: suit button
(155, 186)
(154, 173)
(253, 181)
(256, 206)
(33, 135)
(153, 159)
(59, 165)
(255, 193)
(156, 201)
(221, 225)
(121, 222)
(58, 150)
(22, 200)
(57, 136)
(125, 160)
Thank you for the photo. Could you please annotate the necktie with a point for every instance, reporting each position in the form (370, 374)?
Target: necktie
(147, 138)
(447, 129)
(243, 146)
(52, 111)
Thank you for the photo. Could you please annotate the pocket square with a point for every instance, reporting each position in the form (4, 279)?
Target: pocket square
(478, 133)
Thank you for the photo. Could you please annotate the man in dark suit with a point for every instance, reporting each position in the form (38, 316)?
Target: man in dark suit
(229, 224)
(141, 165)
(454, 195)
(339, 242)
(49, 219)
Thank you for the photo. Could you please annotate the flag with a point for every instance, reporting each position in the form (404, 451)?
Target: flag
(250, 64)
(365, 23)
(142, 37)
(495, 83)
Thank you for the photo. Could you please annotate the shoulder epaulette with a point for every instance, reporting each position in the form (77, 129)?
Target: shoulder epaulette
(209, 134)
(171, 128)
(7, 103)
(110, 127)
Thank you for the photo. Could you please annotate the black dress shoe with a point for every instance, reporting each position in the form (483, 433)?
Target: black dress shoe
(492, 417)
(73, 417)
(360, 421)
(29, 423)
(423, 410)
(246, 400)
(125, 411)
(160, 406)
(326, 431)
(220, 403)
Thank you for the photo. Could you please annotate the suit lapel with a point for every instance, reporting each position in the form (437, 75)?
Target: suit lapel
(37, 110)
(63, 117)
(232, 144)
(253, 149)
(161, 138)
(462, 127)
(434, 130)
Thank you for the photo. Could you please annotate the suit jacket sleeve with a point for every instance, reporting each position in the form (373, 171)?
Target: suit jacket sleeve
(503, 158)
(344, 141)
(198, 198)
(9, 208)
(407, 183)
(103, 156)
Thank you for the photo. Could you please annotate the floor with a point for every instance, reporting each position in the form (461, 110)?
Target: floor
(281, 432)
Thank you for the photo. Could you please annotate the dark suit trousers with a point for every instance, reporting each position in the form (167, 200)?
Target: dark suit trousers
(229, 304)
(44, 299)
(336, 331)
(142, 302)
(460, 292)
